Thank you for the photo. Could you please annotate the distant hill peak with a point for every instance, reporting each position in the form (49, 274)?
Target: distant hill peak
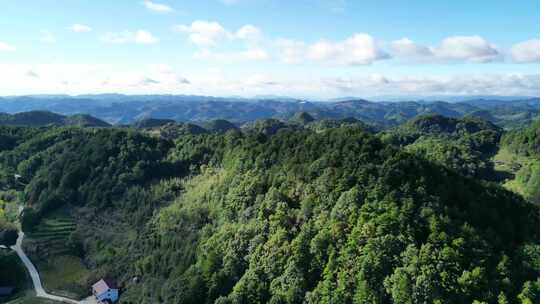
(219, 126)
(303, 117)
(152, 123)
(435, 123)
(41, 118)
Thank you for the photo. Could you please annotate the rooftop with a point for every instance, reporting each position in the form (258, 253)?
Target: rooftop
(103, 285)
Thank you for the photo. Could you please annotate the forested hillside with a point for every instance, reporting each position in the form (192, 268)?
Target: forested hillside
(309, 212)
(465, 145)
(520, 154)
(44, 118)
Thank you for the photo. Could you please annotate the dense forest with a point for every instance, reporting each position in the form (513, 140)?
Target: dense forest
(306, 211)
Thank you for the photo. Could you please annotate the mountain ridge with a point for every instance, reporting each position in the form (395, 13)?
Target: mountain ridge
(39, 118)
(123, 109)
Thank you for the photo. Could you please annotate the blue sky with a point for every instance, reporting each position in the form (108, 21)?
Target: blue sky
(316, 49)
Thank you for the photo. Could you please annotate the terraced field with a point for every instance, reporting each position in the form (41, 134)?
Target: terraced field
(53, 234)
(49, 247)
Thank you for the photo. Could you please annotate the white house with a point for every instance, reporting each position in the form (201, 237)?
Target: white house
(105, 291)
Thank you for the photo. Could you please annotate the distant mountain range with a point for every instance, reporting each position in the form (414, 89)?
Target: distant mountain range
(44, 118)
(447, 98)
(122, 109)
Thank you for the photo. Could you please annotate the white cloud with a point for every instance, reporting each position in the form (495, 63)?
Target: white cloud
(207, 33)
(452, 49)
(147, 81)
(260, 80)
(248, 32)
(138, 37)
(359, 49)
(467, 48)
(256, 54)
(182, 80)
(80, 28)
(527, 51)
(407, 48)
(144, 37)
(81, 79)
(23, 79)
(487, 84)
(203, 33)
(5, 47)
(251, 54)
(292, 51)
(31, 74)
(157, 7)
(47, 37)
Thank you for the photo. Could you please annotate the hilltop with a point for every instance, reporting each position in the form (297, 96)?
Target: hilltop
(44, 118)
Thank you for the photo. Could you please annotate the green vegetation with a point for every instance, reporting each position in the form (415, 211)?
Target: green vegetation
(303, 118)
(311, 212)
(12, 273)
(56, 251)
(152, 123)
(53, 232)
(171, 131)
(8, 218)
(266, 126)
(524, 142)
(313, 217)
(520, 156)
(220, 126)
(83, 120)
(44, 118)
(66, 276)
(324, 124)
(464, 145)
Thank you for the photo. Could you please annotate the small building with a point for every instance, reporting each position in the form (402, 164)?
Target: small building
(105, 291)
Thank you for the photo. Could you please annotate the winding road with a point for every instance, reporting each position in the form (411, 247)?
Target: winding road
(36, 280)
(40, 291)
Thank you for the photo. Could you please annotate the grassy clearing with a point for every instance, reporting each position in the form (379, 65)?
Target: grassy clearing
(523, 174)
(64, 275)
(50, 249)
(510, 163)
(507, 161)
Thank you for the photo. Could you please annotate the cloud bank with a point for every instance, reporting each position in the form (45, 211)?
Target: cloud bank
(161, 78)
(473, 49)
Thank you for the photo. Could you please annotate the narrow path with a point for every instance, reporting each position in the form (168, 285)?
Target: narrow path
(36, 280)
(40, 291)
